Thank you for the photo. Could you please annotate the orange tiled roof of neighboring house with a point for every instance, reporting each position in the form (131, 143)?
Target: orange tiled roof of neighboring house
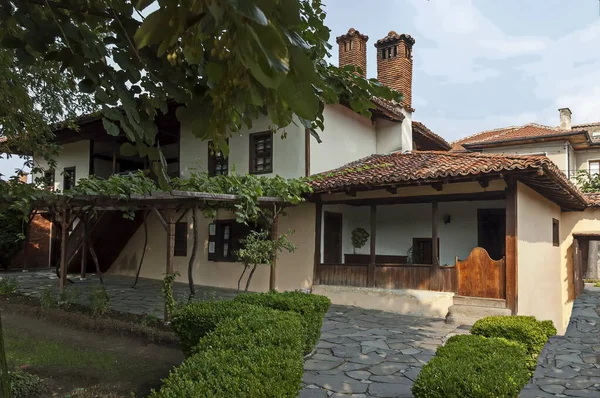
(593, 199)
(398, 169)
(421, 131)
(513, 133)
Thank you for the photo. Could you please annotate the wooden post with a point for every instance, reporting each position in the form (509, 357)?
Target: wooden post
(170, 253)
(318, 237)
(371, 266)
(114, 159)
(273, 275)
(434, 281)
(84, 253)
(63, 248)
(4, 381)
(511, 277)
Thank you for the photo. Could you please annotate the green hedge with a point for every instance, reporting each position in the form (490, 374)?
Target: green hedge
(196, 320)
(25, 385)
(258, 354)
(311, 307)
(523, 329)
(470, 366)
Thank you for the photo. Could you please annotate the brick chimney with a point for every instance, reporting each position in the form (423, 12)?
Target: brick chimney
(353, 50)
(565, 118)
(395, 64)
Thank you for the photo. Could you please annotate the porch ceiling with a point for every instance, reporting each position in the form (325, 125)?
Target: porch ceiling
(430, 167)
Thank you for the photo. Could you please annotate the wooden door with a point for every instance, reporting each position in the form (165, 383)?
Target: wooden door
(491, 231)
(577, 268)
(480, 276)
(332, 248)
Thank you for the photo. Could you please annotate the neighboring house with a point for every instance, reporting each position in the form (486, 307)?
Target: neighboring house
(498, 230)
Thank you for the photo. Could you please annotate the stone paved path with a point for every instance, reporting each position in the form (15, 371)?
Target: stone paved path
(146, 298)
(569, 365)
(367, 353)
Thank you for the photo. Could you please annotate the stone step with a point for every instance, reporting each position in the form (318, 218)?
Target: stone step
(480, 301)
(468, 314)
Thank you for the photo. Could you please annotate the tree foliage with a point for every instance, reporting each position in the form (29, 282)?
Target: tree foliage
(226, 62)
(587, 182)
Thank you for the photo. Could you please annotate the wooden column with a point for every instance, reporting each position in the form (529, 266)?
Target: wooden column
(84, 255)
(511, 274)
(114, 159)
(371, 266)
(434, 281)
(273, 275)
(318, 236)
(63, 248)
(170, 245)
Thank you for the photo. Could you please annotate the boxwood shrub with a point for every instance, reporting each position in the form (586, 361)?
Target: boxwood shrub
(523, 329)
(194, 321)
(257, 354)
(25, 385)
(311, 307)
(470, 366)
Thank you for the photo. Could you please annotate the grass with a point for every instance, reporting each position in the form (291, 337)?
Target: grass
(24, 351)
(597, 284)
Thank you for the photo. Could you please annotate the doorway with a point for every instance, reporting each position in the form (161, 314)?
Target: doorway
(491, 231)
(332, 242)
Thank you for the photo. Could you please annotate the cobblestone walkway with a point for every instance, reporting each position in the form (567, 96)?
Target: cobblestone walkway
(569, 365)
(367, 353)
(146, 298)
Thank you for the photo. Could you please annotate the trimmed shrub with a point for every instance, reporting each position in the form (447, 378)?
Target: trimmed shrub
(523, 329)
(261, 327)
(196, 320)
(548, 328)
(25, 385)
(256, 354)
(256, 372)
(311, 307)
(470, 366)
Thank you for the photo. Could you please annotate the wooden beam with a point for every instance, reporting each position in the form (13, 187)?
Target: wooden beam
(306, 152)
(393, 190)
(161, 218)
(438, 186)
(182, 215)
(456, 197)
(318, 236)
(351, 193)
(435, 260)
(484, 183)
(511, 274)
(84, 256)
(273, 274)
(63, 248)
(371, 267)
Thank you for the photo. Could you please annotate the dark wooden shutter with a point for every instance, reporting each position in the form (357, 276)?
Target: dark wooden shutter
(212, 242)
(181, 229)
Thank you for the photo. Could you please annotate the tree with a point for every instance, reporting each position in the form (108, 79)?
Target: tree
(226, 62)
(260, 248)
(587, 182)
(4, 377)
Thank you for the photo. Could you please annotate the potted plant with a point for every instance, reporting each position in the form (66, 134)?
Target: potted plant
(359, 238)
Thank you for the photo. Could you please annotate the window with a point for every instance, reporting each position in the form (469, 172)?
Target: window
(345, 46)
(261, 153)
(383, 53)
(224, 238)
(217, 163)
(594, 167)
(68, 178)
(555, 232)
(395, 51)
(49, 180)
(181, 229)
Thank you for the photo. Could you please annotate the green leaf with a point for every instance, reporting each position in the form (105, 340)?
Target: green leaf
(249, 10)
(12, 42)
(214, 71)
(142, 4)
(127, 149)
(87, 86)
(110, 127)
(151, 31)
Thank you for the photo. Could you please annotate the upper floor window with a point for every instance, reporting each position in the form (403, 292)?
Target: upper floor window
(217, 163)
(68, 178)
(594, 167)
(49, 179)
(261, 153)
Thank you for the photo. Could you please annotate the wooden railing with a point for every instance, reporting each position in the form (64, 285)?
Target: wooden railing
(390, 276)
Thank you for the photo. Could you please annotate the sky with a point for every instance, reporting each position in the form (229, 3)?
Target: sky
(483, 64)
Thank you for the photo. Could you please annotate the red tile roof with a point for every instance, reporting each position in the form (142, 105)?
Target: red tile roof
(512, 133)
(431, 166)
(420, 130)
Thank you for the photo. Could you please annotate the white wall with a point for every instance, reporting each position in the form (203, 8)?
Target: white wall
(583, 157)
(556, 151)
(397, 225)
(288, 152)
(347, 136)
(76, 154)
(539, 262)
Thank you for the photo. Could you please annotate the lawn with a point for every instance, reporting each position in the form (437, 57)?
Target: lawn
(78, 364)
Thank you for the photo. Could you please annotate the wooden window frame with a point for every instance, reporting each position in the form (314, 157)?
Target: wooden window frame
(215, 159)
(49, 179)
(253, 153)
(216, 241)
(180, 250)
(555, 232)
(589, 168)
(67, 170)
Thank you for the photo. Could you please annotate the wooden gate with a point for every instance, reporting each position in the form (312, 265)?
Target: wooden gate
(480, 276)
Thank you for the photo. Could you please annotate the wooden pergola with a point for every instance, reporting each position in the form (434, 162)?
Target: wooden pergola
(169, 208)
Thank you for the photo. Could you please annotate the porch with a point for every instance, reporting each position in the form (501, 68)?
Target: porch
(398, 268)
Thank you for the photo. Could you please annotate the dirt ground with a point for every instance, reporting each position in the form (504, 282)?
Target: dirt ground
(94, 364)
